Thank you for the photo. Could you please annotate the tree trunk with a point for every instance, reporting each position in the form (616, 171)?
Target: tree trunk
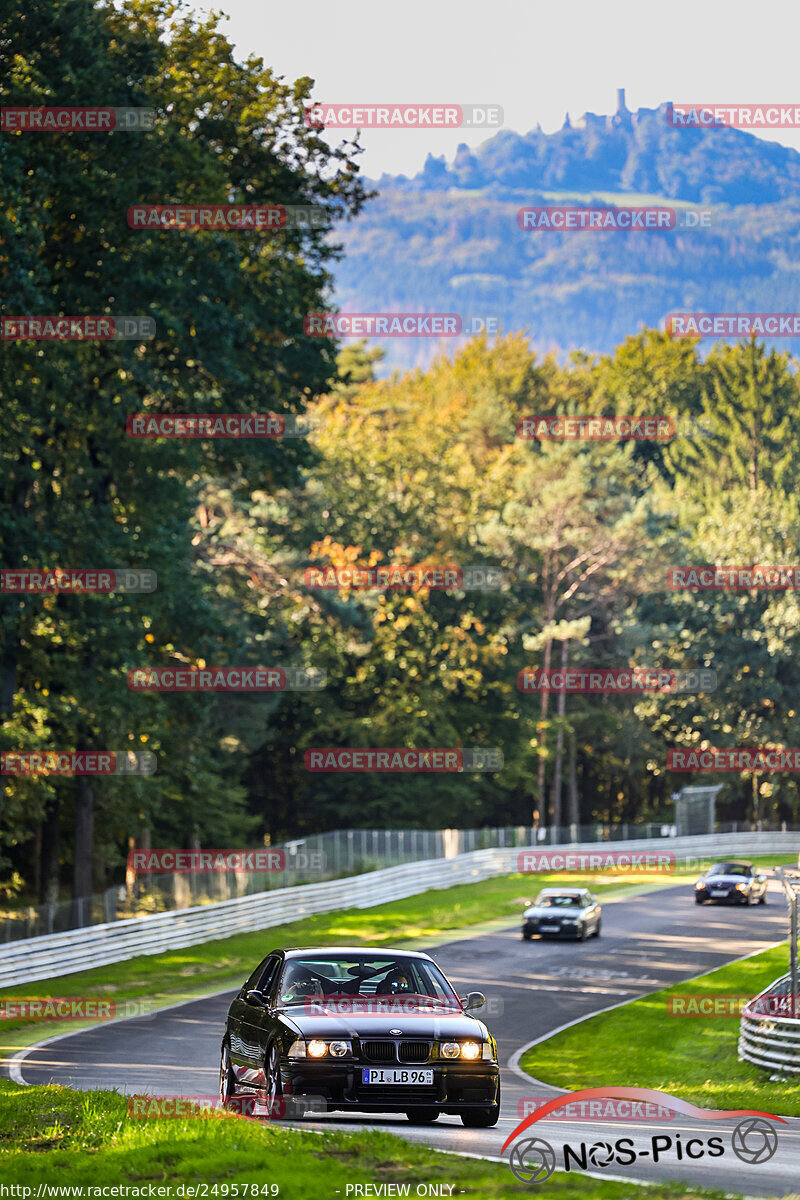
(84, 837)
(49, 853)
(574, 814)
(541, 740)
(561, 709)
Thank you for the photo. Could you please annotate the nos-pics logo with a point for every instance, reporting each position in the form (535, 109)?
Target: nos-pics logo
(533, 1160)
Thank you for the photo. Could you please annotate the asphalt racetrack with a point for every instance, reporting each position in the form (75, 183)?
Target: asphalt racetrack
(648, 942)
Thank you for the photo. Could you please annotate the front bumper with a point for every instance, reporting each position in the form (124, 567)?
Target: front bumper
(731, 897)
(564, 931)
(456, 1086)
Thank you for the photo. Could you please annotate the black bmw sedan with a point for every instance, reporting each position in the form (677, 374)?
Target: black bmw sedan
(359, 1030)
(731, 883)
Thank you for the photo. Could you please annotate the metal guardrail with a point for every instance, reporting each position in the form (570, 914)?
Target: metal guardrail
(768, 1038)
(769, 1031)
(28, 960)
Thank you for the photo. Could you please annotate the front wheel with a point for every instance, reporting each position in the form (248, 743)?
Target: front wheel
(227, 1079)
(763, 899)
(422, 1116)
(599, 927)
(274, 1087)
(526, 936)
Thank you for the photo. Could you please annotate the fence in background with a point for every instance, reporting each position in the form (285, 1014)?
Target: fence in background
(64, 953)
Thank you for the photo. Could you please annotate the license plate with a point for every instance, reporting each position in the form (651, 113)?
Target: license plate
(398, 1075)
(718, 892)
(549, 928)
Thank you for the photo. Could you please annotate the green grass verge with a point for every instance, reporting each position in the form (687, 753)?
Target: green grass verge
(691, 1057)
(53, 1135)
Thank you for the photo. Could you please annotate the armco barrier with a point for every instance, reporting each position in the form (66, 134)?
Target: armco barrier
(79, 949)
(769, 1039)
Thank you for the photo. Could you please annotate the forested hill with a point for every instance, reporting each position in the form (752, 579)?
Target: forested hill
(448, 239)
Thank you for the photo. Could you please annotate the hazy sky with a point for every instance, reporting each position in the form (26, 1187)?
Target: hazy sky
(537, 60)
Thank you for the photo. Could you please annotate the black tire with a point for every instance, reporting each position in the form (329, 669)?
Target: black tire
(480, 1118)
(227, 1079)
(527, 937)
(422, 1116)
(599, 927)
(699, 900)
(274, 1087)
(582, 936)
(763, 899)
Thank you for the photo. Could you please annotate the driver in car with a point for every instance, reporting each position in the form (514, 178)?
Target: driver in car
(299, 984)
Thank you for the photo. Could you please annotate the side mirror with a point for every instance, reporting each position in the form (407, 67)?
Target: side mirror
(256, 998)
(473, 1000)
(761, 878)
(526, 903)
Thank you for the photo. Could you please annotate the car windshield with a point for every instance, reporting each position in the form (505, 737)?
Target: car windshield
(565, 901)
(729, 868)
(316, 976)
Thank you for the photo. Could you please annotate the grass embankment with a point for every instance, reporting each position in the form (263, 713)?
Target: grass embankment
(90, 1141)
(691, 1057)
(425, 919)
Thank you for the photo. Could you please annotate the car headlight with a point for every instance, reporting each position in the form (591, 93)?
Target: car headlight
(317, 1049)
(297, 1049)
(339, 1049)
(449, 1050)
(470, 1050)
(741, 887)
(700, 885)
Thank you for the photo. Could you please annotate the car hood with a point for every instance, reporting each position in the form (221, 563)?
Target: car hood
(555, 913)
(319, 1021)
(725, 879)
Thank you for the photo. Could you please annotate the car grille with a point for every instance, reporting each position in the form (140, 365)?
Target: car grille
(413, 1052)
(384, 1051)
(378, 1051)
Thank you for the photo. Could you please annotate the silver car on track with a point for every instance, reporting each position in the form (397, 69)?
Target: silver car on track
(563, 912)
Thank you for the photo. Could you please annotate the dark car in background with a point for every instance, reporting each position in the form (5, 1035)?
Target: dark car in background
(359, 1030)
(731, 882)
(563, 912)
